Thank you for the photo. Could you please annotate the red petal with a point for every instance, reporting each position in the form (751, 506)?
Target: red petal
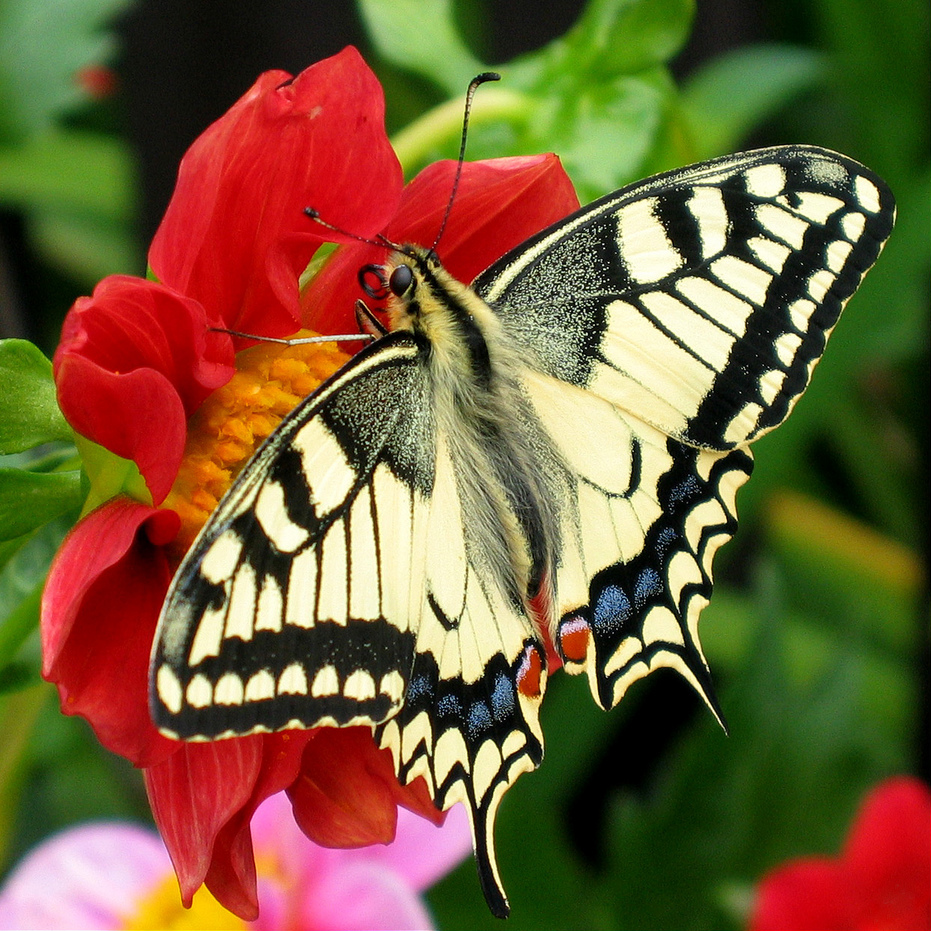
(99, 610)
(194, 793)
(888, 855)
(347, 793)
(235, 235)
(231, 876)
(803, 895)
(133, 354)
(342, 797)
(499, 204)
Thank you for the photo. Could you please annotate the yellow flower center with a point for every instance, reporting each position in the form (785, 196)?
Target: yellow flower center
(161, 910)
(232, 423)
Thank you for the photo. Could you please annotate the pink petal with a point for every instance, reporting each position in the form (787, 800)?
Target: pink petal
(362, 896)
(423, 853)
(90, 876)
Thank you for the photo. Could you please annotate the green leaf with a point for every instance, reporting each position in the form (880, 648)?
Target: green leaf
(605, 133)
(69, 171)
(30, 499)
(29, 412)
(86, 247)
(421, 36)
(21, 582)
(801, 751)
(731, 95)
(43, 47)
(77, 192)
(623, 36)
(601, 97)
(15, 629)
(18, 716)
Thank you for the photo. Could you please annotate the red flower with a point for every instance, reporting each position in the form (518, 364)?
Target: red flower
(881, 882)
(140, 373)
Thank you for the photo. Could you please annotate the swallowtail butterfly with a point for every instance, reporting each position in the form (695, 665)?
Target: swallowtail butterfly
(570, 431)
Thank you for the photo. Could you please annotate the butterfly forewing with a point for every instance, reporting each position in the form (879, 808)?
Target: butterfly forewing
(292, 609)
(699, 300)
(570, 436)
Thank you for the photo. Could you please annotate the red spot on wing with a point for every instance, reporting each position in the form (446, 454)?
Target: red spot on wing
(574, 636)
(530, 672)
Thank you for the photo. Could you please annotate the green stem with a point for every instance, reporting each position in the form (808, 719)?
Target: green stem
(417, 141)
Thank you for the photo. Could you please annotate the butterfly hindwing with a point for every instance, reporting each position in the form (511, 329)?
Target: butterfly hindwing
(643, 517)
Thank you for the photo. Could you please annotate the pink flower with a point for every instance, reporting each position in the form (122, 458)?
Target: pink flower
(113, 875)
(881, 881)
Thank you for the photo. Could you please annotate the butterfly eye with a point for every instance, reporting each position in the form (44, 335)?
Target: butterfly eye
(372, 280)
(400, 281)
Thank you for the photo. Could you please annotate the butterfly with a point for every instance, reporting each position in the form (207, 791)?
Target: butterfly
(552, 453)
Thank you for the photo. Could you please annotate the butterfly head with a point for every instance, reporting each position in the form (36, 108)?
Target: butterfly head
(415, 287)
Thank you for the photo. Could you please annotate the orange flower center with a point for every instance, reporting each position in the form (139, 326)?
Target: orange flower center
(233, 422)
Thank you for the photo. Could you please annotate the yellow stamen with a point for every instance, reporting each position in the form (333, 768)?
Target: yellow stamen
(233, 422)
(161, 910)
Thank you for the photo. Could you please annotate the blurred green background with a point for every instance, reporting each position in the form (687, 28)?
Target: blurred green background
(647, 817)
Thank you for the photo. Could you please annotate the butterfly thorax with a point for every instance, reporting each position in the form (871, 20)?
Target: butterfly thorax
(507, 491)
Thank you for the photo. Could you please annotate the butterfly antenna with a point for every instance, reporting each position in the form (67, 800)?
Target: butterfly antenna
(470, 93)
(379, 240)
(297, 340)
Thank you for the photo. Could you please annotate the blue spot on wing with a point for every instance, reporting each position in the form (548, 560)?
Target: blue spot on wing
(612, 609)
(418, 689)
(449, 706)
(502, 698)
(649, 585)
(478, 719)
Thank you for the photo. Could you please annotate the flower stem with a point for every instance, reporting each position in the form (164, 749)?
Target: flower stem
(416, 142)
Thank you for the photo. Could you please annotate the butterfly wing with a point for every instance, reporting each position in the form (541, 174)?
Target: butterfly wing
(643, 518)
(699, 300)
(291, 610)
(334, 585)
(669, 325)
(470, 720)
